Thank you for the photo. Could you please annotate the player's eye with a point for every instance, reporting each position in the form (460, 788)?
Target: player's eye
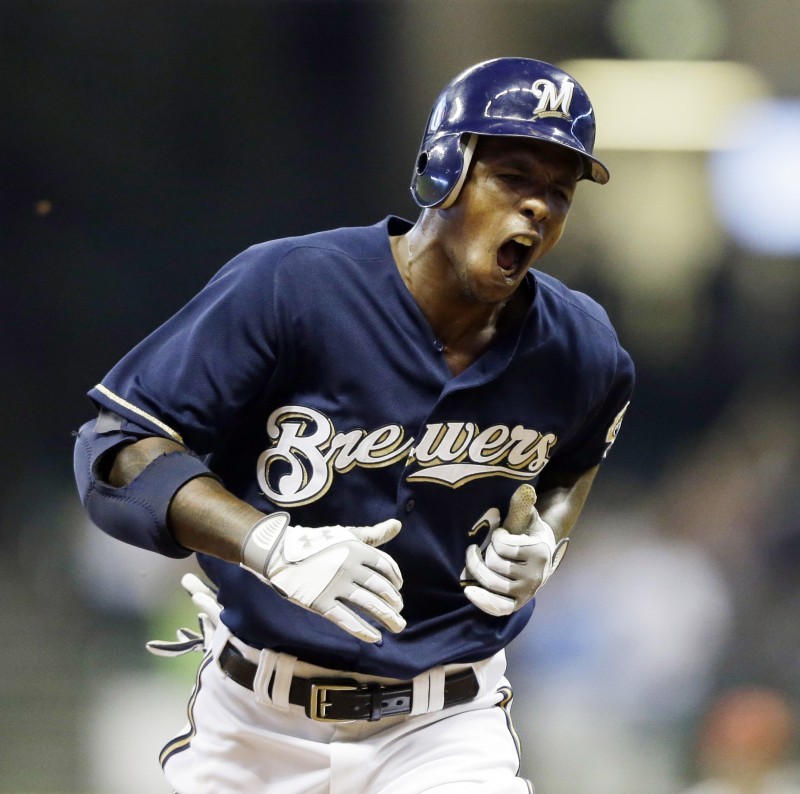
(563, 195)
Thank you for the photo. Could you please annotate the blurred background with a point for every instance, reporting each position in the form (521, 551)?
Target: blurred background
(143, 144)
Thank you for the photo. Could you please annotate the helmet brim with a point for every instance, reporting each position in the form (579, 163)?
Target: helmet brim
(594, 169)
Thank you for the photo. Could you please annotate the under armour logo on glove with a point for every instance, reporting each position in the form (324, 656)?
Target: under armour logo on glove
(334, 571)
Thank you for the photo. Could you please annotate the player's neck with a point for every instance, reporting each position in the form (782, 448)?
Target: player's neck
(462, 328)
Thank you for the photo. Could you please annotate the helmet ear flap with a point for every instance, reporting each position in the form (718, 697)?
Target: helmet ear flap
(440, 171)
(467, 150)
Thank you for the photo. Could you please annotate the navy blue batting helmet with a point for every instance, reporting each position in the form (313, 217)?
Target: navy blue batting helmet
(518, 97)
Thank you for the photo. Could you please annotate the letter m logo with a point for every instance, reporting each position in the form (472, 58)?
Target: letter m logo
(551, 100)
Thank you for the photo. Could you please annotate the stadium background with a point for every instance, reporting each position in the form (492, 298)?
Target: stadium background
(143, 144)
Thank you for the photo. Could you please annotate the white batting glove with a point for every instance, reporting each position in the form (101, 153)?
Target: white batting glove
(205, 599)
(332, 571)
(518, 558)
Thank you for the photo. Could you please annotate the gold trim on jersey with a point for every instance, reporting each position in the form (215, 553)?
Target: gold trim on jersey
(131, 407)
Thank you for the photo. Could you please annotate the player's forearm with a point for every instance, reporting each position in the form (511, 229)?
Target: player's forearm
(203, 516)
(207, 518)
(561, 497)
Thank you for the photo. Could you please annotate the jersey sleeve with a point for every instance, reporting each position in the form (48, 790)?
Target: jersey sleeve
(597, 434)
(192, 376)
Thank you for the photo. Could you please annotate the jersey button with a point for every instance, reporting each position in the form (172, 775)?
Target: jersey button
(410, 504)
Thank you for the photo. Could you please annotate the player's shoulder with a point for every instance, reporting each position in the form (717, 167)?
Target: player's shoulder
(570, 305)
(581, 325)
(353, 242)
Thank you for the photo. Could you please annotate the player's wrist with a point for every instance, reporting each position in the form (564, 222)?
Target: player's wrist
(261, 541)
(544, 533)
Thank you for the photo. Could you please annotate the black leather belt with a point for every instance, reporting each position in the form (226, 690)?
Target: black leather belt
(345, 699)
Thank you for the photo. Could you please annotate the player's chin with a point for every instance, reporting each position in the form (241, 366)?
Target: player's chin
(506, 278)
(495, 290)
(494, 283)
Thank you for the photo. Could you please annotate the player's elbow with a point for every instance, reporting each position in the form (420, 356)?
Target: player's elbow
(134, 513)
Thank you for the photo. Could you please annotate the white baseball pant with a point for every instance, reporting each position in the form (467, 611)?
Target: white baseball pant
(240, 741)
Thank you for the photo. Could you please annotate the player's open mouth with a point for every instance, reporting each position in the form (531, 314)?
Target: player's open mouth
(513, 255)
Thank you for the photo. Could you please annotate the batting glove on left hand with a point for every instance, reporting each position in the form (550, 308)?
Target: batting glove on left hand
(205, 599)
(519, 557)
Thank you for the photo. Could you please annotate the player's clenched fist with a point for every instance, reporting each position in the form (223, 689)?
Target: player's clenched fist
(330, 570)
(519, 556)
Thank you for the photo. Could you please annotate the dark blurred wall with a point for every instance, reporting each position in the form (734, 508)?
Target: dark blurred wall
(143, 145)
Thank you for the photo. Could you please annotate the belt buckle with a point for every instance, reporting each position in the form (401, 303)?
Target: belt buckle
(317, 703)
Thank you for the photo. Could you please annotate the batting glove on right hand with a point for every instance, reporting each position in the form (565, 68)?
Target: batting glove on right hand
(332, 571)
(519, 557)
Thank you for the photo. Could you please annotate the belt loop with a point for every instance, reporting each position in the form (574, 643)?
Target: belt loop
(375, 702)
(263, 676)
(436, 695)
(421, 688)
(284, 670)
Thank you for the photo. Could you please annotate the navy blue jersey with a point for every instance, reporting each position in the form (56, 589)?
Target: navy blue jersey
(311, 380)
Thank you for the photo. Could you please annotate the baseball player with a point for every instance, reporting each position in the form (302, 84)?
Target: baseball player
(377, 441)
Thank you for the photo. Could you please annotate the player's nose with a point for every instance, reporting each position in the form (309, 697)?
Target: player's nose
(534, 207)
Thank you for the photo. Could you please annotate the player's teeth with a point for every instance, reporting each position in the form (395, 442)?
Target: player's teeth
(523, 240)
